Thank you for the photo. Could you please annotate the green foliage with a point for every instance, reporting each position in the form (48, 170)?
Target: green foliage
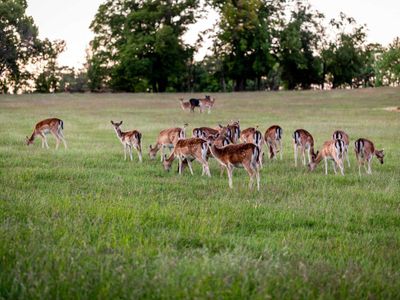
(82, 223)
(388, 65)
(138, 43)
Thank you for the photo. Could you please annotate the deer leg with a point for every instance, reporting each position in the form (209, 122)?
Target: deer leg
(369, 166)
(180, 165)
(309, 155)
(334, 166)
(54, 133)
(303, 152)
(138, 149)
(130, 152)
(190, 165)
(347, 156)
(61, 135)
(295, 155)
(280, 149)
(45, 141)
(251, 173)
(125, 145)
(326, 165)
(229, 169)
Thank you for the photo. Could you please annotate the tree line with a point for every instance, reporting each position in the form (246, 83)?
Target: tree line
(138, 46)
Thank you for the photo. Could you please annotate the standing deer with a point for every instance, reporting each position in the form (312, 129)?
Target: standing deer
(341, 135)
(273, 139)
(206, 103)
(54, 126)
(188, 150)
(253, 135)
(239, 155)
(167, 138)
(185, 105)
(303, 139)
(365, 151)
(334, 150)
(129, 139)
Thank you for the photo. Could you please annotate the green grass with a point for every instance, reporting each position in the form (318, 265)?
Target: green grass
(83, 223)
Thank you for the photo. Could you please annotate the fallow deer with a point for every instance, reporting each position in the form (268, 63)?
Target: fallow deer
(303, 139)
(188, 150)
(365, 151)
(54, 126)
(331, 150)
(238, 155)
(341, 135)
(273, 140)
(204, 132)
(232, 130)
(185, 105)
(167, 138)
(253, 135)
(129, 139)
(206, 103)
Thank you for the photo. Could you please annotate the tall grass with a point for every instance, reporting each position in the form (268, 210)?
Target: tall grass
(83, 223)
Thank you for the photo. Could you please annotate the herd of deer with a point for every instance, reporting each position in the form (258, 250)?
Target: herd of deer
(230, 146)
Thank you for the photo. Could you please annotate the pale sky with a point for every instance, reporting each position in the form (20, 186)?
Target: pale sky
(70, 19)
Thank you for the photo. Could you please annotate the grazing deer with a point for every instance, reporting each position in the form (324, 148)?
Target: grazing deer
(167, 138)
(204, 132)
(188, 150)
(239, 155)
(253, 135)
(185, 105)
(365, 151)
(54, 126)
(273, 139)
(303, 139)
(341, 135)
(206, 103)
(129, 139)
(334, 150)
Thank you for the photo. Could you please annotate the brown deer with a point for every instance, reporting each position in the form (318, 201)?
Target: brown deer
(239, 155)
(185, 105)
(365, 151)
(331, 150)
(54, 126)
(273, 140)
(253, 135)
(341, 135)
(303, 139)
(129, 139)
(204, 132)
(206, 103)
(188, 150)
(167, 138)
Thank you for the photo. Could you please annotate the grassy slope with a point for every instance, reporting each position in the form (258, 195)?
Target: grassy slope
(83, 223)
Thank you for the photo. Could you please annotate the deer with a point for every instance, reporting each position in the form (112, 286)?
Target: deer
(129, 139)
(341, 135)
(185, 105)
(167, 138)
(232, 130)
(54, 126)
(253, 135)
(187, 150)
(206, 103)
(303, 139)
(238, 155)
(365, 151)
(273, 140)
(331, 150)
(204, 132)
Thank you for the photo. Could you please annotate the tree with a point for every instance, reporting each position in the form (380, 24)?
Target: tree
(139, 44)
(388, 65)
(299, 46)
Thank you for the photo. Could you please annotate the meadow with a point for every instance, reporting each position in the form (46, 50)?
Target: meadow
(82, 223)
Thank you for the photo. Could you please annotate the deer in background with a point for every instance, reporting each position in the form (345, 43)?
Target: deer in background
(365, 151)
(341, 135)
(273, 140)
(187, 150)
(185, 105)
(54, 126)
(129, 139)
(239, 155)
(334, 150)
(167, 138)
(303, 139)
(206, 103)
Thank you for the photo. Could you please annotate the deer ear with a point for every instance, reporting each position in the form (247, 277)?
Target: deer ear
(120, 123)
(220, 126)
(112, 122)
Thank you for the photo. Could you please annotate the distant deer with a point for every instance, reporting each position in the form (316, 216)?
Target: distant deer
(167, 138)
(365, 151)
(54, 126)
(206, 103)
(129, 139)
(185, 105)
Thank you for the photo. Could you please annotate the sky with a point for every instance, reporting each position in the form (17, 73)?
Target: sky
(69, 20)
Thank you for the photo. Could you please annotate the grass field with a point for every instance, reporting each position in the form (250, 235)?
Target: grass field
(83, 223)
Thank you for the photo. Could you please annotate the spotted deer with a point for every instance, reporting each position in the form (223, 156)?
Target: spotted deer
(331, 150)
(365, 151)
(185, 105)
(341, 135)
(238, 155)
(303, 139)
(54, 126)
(204, 132)
(253, 135)
(273, 140)
(129, 139)
(206, 103)
(232, 130)
(188, 150)
(167, 138)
